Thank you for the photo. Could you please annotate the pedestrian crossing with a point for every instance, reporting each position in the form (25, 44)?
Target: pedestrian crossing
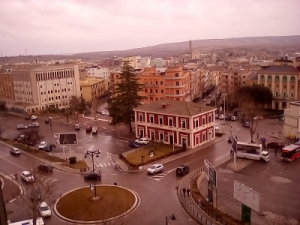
(158, 176)
(107, 164)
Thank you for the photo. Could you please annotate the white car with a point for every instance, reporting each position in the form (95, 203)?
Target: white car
(221, 117)
(15, 151)
(156, 168)
(258, 118)
(27, 176)
(21, 127)
(44, 209)
(142, 141)
(204, 100)
(217, 128)
(33, 117)
(42, 145)
(35, 124)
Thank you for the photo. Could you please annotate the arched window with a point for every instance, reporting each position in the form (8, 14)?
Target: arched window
(284, 79)
(277, 78)
(293, 80)
(269, 78)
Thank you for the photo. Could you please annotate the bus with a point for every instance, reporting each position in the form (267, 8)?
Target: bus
(290, 153)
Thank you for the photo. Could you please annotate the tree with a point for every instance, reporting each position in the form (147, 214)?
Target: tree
(67, 113)
(126, 98)
(32, 137)
(252, 101)
(3, 106)
(78, 104)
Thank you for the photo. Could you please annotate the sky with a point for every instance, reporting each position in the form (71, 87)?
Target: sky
(35, 27)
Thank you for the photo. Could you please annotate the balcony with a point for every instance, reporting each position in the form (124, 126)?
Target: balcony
(151, 85)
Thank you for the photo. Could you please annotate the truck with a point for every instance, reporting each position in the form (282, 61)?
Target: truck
(251, 151)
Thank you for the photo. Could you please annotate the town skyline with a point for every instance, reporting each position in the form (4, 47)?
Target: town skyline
(68, 27)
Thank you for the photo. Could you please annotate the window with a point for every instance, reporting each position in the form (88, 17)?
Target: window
(160, 121)
(209, 119)
(203, 121)
(151, 91)
(177, 92)
(183, 124)
(146, 91)
(161, 136)
(170, 122)
(156, 91)
(161, 83)
(177, 83)
(156, 82)
(176, 74)
(162, 91)
(196, 123)
(152, 119)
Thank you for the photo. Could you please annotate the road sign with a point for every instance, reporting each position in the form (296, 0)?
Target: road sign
(246, 195)
(66, 138)
(211, 174)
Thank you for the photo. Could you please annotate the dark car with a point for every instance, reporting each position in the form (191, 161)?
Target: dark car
(182, 170)
(49, 148)
(48, 120)
(133, 144)
(227, 118)
(88, 129)
(28, 117)
(45, 168)
(275, 145)
(93, 176)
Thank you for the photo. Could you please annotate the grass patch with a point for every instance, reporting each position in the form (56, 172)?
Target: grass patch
(78, 165)
(159, 150)
(78, 205)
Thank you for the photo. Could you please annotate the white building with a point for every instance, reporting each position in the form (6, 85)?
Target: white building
(134, 61)
(292, 120)
(157, 62)
(99, 72)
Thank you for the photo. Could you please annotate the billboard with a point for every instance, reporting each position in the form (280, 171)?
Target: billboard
(210, 172)
(246, 195)
(66, 138)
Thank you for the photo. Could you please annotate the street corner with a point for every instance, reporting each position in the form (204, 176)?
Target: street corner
(11, 190)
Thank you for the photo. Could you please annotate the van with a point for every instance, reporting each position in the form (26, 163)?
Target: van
(94, 130)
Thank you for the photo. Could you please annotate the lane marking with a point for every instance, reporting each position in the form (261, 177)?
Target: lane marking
(91, 147)
(12, 163)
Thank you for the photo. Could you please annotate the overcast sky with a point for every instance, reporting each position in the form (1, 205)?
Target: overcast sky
(73, 26)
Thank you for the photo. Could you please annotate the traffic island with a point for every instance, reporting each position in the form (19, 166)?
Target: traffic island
(80, 206)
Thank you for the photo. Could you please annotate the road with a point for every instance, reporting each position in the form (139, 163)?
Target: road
(157, 193)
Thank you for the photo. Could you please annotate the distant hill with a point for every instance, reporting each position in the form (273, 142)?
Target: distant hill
(175, 49)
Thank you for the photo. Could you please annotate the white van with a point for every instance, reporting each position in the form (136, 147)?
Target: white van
(39, 221)
(251, 151)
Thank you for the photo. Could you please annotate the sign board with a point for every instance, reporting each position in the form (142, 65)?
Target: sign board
(246, 195)
(66, 138)
(234, 143)
(210, 172)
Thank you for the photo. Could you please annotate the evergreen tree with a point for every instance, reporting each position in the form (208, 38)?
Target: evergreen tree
(125, 98)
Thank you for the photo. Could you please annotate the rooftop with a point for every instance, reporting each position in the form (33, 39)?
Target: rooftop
(173, 107)
(279, 69)
(88, 81)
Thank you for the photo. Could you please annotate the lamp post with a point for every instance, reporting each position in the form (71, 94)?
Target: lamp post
(91, 154)
(224, 105)
(172, 217)
(173, 141)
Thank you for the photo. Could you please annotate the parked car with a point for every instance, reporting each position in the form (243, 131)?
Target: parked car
(33, 117)
(28, 117)
(77, 126)
(35, 124)
(21, 127)
(15, 151)
(27, 176)
(221, 117)
(93, 176)
(204, 100)
(227, 118)
(156, 168)
(45, 168)
(94, 130)
(217, 128)
(246, 124)
(42, 145)
(182, 170)
(142, 141)
(275, 145)
(234, 118)
(44, 209)
(49, 148)
(23, 139)
(102, 112)
(133, 144)
(88, 129)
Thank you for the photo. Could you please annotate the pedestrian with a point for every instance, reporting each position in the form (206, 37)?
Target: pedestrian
(183, 190)
(188, 192)
(231, 152)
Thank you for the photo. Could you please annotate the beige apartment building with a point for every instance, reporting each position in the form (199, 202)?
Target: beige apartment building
(134, 61)
(38, 87)
(91, 88)
(283, 81)
(6, 86)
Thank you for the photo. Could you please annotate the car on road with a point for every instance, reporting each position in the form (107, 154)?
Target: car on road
(27, 176)
(204, 100)
(234, 118)
(88, 129)
(77, 126)
(93, 176)
(227, 118)
(102, 112)
(133, 144)
(44, 209)
(45, 168)
(28, 117)
(42, 145)
(15, 151)
(217, 128)
(221, 117)
(275, 145)
(182, 170)
(35, 124)
(156, 168)
(33, 117)
(142, 141)
(49, 148)
(246, 124)
(94, 130)
(21, 127)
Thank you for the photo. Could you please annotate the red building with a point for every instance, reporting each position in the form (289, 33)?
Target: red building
(175, 122)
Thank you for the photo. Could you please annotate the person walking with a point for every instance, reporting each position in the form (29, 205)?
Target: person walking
(183, 190)
(188, 192)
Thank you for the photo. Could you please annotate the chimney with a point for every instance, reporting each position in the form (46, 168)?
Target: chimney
(164, 105)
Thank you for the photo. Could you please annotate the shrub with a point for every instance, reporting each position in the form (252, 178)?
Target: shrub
(72, 160)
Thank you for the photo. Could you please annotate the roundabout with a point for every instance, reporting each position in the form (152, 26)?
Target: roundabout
(81, 206)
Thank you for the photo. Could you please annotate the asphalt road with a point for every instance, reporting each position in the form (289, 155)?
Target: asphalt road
(157, 193)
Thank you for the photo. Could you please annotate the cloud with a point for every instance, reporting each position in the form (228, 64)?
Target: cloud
(57, 26)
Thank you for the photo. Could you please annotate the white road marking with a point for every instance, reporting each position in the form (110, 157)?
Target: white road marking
(101, 165)
(91, 147)
(13, 163)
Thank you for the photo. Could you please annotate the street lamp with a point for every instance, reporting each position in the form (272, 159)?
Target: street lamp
(224, 105)
(172, 217)
(91, 154)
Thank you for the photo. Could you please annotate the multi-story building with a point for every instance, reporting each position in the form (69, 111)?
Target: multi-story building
(92, 88)
(292, 120)
(283, 81)
(39, 87)
(175, 122)
(134, 61)
(6, 86)
(97, 71)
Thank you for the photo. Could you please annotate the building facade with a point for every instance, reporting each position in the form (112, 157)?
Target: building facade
(6, 86)
(97, 71)
(92, 88)
(291, 126)
(283, 81)
(175, 122)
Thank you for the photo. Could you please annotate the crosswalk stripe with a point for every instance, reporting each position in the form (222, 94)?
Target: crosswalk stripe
(104, 164)
(108, 164)
(101, 165)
